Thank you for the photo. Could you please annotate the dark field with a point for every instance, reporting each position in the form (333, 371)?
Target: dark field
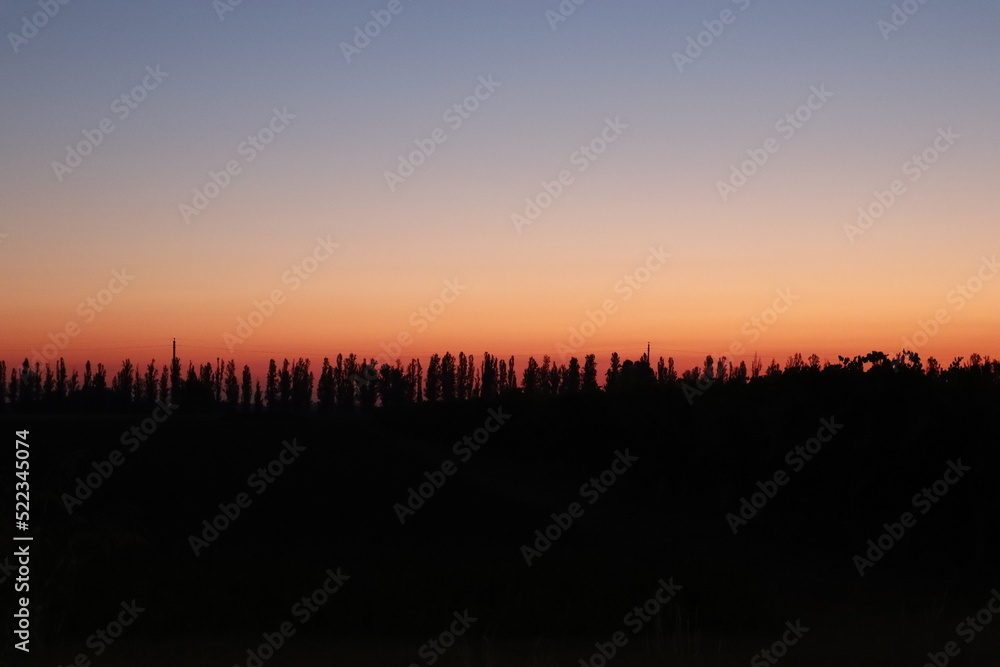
(664, 517)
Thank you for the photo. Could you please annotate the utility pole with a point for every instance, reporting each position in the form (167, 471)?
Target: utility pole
(649, 360)
(174, 358)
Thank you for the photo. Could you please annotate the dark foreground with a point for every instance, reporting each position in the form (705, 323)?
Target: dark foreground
(318, 549)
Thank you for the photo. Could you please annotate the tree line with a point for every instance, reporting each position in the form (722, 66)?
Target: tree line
(349, 384)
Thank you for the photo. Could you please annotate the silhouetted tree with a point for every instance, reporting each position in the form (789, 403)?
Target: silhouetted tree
(164, 379)
(489, 375)
(12, 386)
(197, 395)
(367, 391)
(343, 376)
(612, 375)
(61, 377)
(590, 373)
(285, 387)
(473, 380)
(571, 377)
(150, 383)
(447, 377)
(502, 377)
(232, 385)
(740, 374)
(393, 387)
(302, 381)
(206, 378)
(246, 393)
(476, 380)
(258, 399)
(433, 388)
(556, 375)
(101, 379)
(415, 380)
(175, 380)
(720, 369)
(122, 384)
(708, 370)
(545, 376)
(529, 381)
(326, 388)
(218, 384)
(636, 375)
(271, 386)
(462, 378)
(48, 386)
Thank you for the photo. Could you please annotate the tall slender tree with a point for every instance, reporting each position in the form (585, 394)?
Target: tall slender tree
(232, 385)
(448, 377)
(590, 373)
(271, 387)
(529, 381)
(246, 389)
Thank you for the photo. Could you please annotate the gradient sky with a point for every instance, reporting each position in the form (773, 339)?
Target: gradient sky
(656, 185)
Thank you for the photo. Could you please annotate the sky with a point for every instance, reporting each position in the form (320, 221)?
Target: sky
(396, 179)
